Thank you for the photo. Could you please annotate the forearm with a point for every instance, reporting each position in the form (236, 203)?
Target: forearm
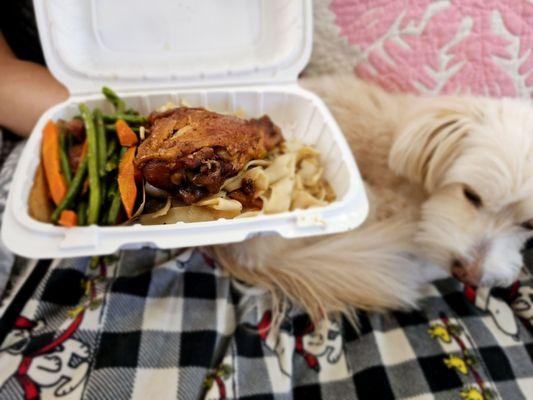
(26, 91)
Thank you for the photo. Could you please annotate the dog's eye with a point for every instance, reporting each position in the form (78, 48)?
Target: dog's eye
(527, 225)
(472, 197)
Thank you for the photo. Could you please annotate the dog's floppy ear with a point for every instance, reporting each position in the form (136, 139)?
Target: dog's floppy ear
(429, 138)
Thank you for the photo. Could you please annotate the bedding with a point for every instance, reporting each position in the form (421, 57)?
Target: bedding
(182, 330)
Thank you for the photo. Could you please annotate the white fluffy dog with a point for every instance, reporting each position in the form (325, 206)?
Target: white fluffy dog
(450, 182)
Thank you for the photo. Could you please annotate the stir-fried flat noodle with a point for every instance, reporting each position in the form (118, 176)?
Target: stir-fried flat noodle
(290, 178)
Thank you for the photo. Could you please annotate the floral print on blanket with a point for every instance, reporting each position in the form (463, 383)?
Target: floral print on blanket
(425, 46)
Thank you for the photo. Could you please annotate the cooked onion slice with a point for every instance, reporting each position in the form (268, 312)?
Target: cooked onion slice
(146, 219)
(155, 192)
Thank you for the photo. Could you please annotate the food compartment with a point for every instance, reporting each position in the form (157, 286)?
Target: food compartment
(299, 114)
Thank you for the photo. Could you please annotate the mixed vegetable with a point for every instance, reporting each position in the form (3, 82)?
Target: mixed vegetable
(88, 168)
(180, 164)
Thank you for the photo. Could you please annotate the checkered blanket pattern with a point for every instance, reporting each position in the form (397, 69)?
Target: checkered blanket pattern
(167, 325)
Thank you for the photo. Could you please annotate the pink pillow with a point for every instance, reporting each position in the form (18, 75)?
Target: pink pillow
(483, 47)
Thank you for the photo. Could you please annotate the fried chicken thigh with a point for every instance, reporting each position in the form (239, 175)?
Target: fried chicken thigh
(189, 152)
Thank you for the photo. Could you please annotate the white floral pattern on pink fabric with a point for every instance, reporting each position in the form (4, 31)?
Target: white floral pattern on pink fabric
(482, 47)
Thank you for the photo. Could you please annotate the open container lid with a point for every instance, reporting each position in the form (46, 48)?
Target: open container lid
(142, 45)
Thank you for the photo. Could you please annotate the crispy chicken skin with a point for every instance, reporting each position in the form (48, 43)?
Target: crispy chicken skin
(189, 152)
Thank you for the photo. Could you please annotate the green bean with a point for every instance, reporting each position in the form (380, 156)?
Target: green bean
(111, 148)
(131, 111)
(114, 99)
(65, 166)
(102, 141)
(73, 190)
(82, 213)
(131, 119)
(108, 196)
(111, 128)
(94, 179)
(114, 209)
(103, 191)
(111, 165)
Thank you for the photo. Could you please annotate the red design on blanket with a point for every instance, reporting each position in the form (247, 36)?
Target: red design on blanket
(264, 331)
(221, 387)
(57, 368)
(24, 323)
(500, 311)
(310, 359)
(30, 388)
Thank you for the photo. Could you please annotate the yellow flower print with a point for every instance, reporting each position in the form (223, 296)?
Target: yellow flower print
(471, 394)
(458, 363)
(439, 331)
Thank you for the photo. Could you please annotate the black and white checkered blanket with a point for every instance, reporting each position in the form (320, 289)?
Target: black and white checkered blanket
(165, 325)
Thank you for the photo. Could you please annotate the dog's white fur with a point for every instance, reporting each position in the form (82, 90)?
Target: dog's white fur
(417, 156)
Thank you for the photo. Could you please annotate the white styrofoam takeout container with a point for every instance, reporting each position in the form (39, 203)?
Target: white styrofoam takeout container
(222, 55)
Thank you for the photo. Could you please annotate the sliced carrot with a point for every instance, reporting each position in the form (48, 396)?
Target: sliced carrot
(68, 218)
(52, 166)
(125, 134)
(126, 181)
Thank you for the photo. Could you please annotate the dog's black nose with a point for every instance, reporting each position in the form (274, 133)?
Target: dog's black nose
(458, 270)
(457, 263)
(466, 272)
